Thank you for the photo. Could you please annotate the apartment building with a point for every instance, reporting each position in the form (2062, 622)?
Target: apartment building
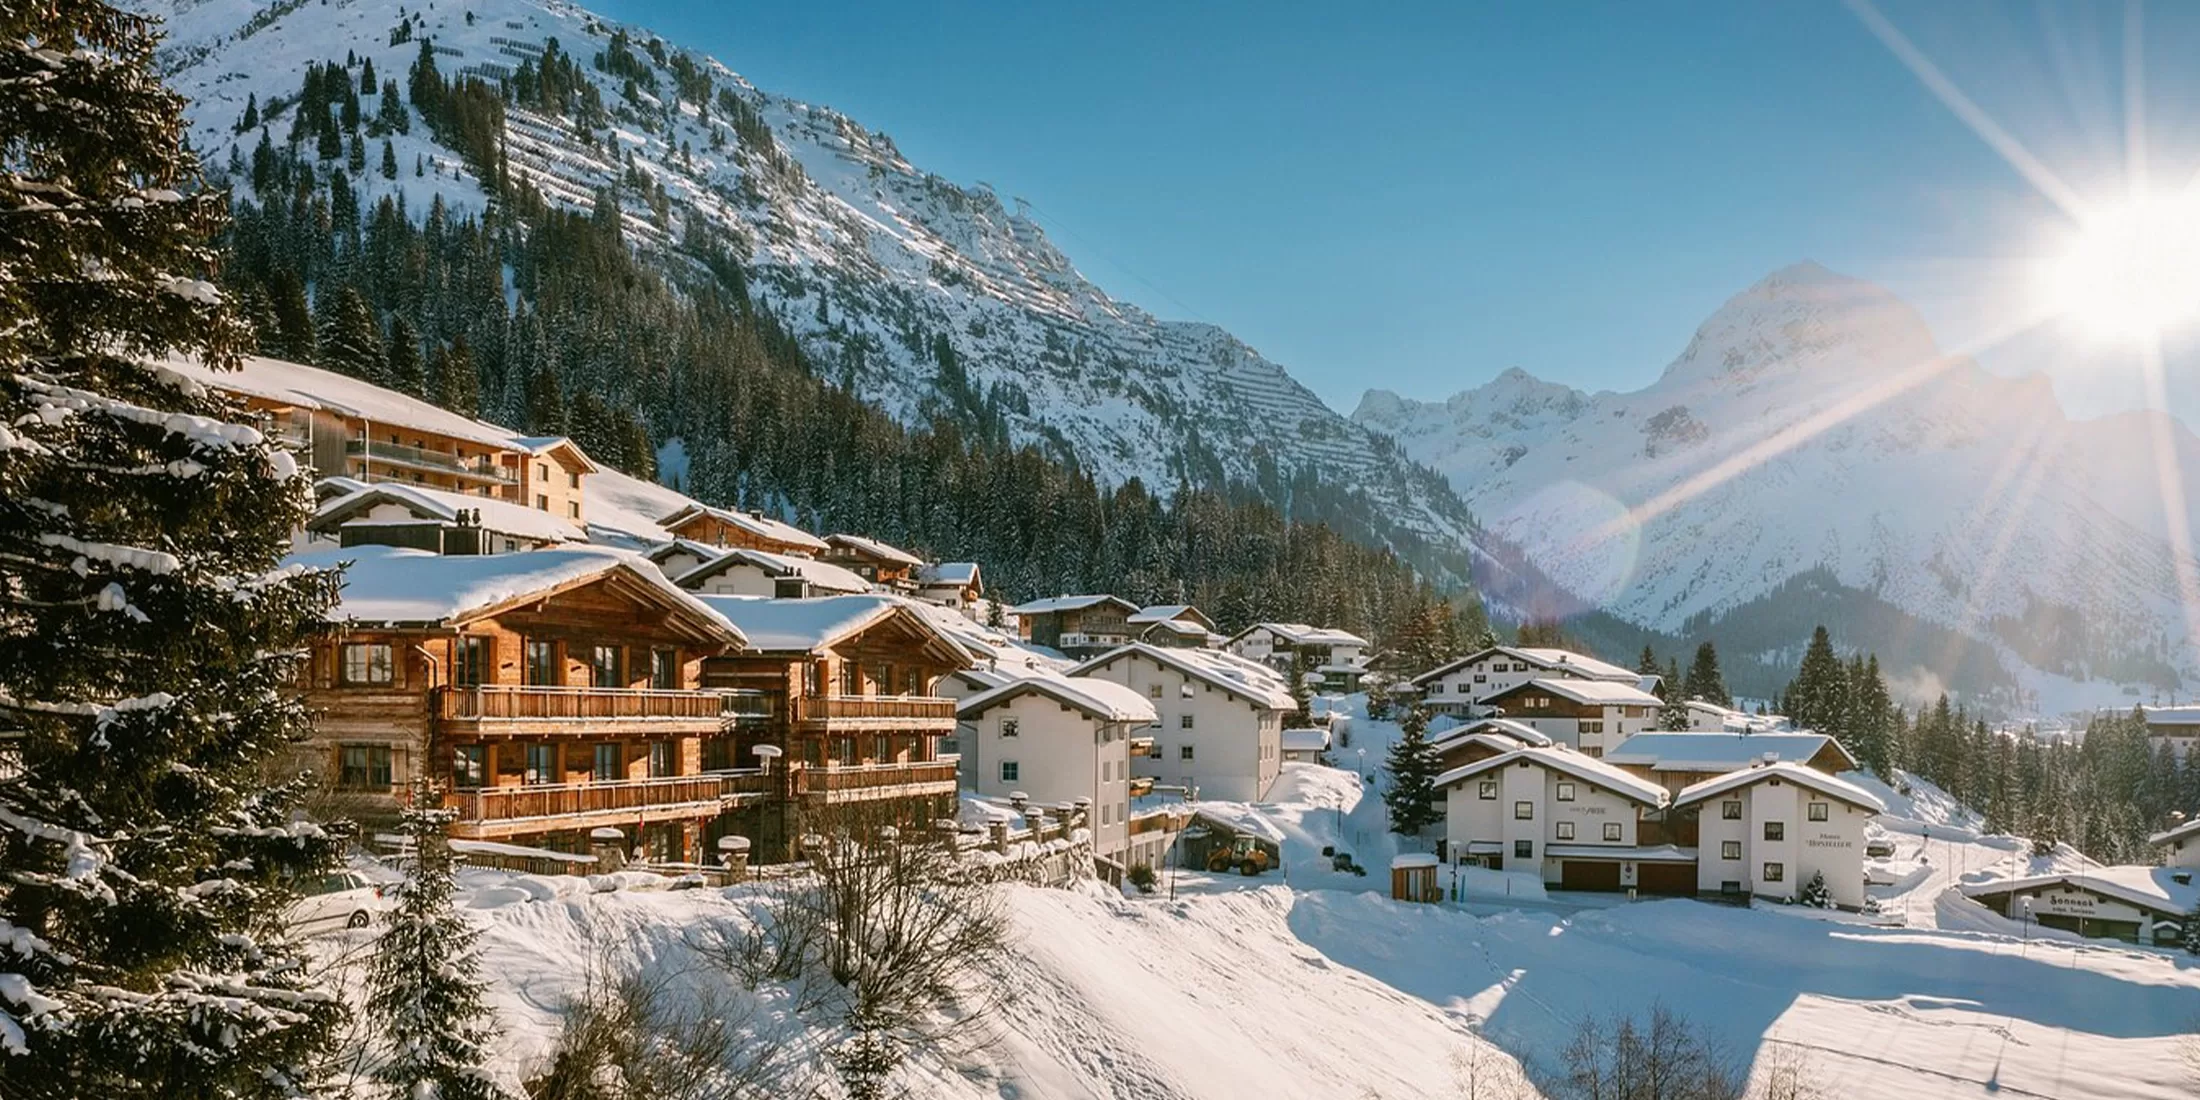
(1218, 725)
(1591, 716)
(835, 698)
(553, 692)
(1460, 686)
(1056, 739)
(1678, 760)
(1764, 831)
(1339, 657)
(1573, 819)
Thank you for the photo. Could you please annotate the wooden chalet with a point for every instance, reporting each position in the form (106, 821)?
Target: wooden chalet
(886, 566)
(732, 530)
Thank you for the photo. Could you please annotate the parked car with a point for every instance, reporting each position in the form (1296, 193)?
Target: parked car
(344, 899)
(1880, 848)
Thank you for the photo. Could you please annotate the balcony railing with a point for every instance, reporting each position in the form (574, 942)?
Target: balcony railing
(514, 703)
(831, 708)
(445, 462)
(555, 799)
(869, 777)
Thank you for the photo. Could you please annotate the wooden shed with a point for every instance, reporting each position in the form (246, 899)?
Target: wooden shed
(1413, 878)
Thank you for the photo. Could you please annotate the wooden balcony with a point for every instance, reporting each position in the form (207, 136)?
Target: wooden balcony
(478, 470)
(880, 713)
(510, 811)
(858, 782)
(504, 710)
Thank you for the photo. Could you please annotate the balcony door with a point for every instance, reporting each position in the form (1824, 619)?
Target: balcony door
(610, 764)
(542, 664)
(470, 666)
(542, 764)
(664, 669)
(607, 666)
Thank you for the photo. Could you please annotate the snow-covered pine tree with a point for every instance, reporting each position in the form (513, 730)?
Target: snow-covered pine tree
(148, 639)
(1815, 892)
(2191, 930)
(1412, 764)
(424, 986)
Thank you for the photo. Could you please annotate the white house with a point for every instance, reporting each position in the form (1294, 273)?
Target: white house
(1305, 744)
(1708, 717)
(955, 584)
(762, 573)
(1460, 686)
(1338, 656)
(1592, 716)
(1572, 818)
(680, 555)
(1765, 830)
(1679, 760)
(2177, 727)
(1175, 624)
(1219, 718)
(2180, 844)
(1057, 739)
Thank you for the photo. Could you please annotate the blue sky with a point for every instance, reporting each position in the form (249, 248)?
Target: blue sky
(1419, 196)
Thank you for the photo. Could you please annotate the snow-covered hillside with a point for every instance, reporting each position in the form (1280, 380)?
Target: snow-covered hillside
(872, 260)
(1813, 422)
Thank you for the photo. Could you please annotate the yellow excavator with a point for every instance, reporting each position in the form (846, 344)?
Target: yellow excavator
(1248, 857)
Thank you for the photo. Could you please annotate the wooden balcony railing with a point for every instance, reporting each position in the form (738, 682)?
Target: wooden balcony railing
(865, 777)
(445, 462)
(554, 799)
(513, 703)
(831, 708)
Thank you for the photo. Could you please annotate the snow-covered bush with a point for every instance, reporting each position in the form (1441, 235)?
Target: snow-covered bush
(1142, 876)
(1816, 893)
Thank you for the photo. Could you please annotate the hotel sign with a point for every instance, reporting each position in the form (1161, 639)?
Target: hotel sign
(1829, 840)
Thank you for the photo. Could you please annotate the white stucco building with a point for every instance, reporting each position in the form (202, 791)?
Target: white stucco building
(1057, 739)
(2180, 844)
(1572, 819)
(1218, 721)
(1460, 686)
(1765, 830)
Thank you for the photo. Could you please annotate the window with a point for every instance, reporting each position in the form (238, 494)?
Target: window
(1611, 831)
(542, 664)
(469, 766)
(1011, 727)
(1153, 691)
(1009, 771)
(1730, 887)
(542, 502)
(572, 480)
(1592, 726)
(1775, 830)
(1565, 792)
(1489, 789)
(1730, 849)
(363, 767)
(609, 763)
(1523, 849)
(1565, 830)
(1523, 811)
(1184, 753)
(368, 663)
(573, 509)
(542, 764)
(664, 759)
(664, 668)
(542, 471)
(883, 750)
(1730, 810)
(472, 663)
(1818, 811)
(1774, 872)
(1479, 678)
(1184, 721)
(607, 666)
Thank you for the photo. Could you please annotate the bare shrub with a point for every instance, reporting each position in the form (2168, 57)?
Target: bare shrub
(1661, 1057)
(1482, 1072)
(630, 1036)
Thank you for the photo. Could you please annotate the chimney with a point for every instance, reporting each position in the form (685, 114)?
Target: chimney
(1769, 758)
(2181, 877)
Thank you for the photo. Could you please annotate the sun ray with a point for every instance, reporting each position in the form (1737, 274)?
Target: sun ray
(1971, 114)
(2135, 141)
(2169, 478)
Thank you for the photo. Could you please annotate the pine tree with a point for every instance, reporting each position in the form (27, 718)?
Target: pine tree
(389, 160)
(251, 117)
(402, 370)
(1815, 892)
(1704, 681)
(1412, 762)
(350, 342)
(147, 642)
(424, 985)
(2191, 930)
(1814, 698)
(1871, 738)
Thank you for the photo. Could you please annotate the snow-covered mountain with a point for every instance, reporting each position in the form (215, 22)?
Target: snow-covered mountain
(1813, 427)
(872, 260)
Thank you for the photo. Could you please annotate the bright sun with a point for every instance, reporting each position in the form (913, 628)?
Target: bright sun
(2132, 271)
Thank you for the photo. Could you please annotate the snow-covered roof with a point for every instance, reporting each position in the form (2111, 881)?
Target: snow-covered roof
(1304, 634)
(1595, 693)
(544, 444)
(501, 516)
(301, 386)
(762, 526)
(2172, 716)
(628, 506)
(395, 585)
(1554, 660)
(1839, 789)
(1104, 700)
(1249, 680)
(1004, 651)
(1306, 739)
(1070, 603)
(1562, 759)
(958, 574)
(875, 550)
(2176, 832)
(1503, 729)
(1171, 612)
(1179, 627)
(1721, 752)
(816, 624)
(2154, 888)
(702, 550)
(1408, 860)
(821, 574)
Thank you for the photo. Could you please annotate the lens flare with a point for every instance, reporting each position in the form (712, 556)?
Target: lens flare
(2131, 271)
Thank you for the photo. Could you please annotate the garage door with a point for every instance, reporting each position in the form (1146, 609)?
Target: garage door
(1581, 874)
(1668, 879)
